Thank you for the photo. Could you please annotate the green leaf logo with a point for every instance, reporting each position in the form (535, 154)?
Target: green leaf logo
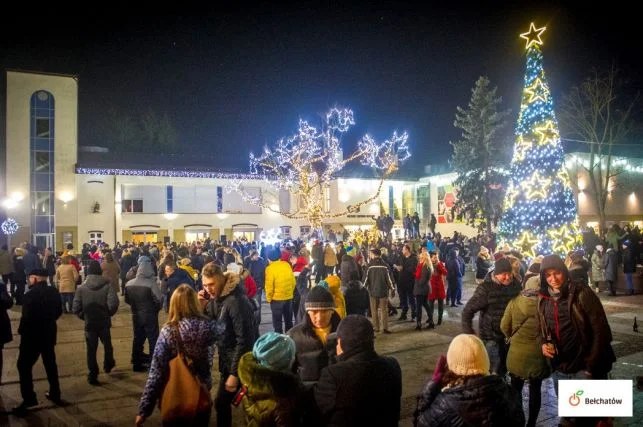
(579, 393)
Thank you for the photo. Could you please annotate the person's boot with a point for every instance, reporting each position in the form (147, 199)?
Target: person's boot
(431, 325)
(403, 315)
(418, 326)
(440, 319)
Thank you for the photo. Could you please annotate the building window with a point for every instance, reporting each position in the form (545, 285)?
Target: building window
(285, 232)
(132, 206)
(42, 167)
(95, 237)
(304, 230)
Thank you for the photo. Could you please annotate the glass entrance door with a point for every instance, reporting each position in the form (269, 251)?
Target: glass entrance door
(43, 241)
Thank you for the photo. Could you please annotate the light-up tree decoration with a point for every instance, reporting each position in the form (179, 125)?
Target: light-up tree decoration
(539, 209)
(305, 163)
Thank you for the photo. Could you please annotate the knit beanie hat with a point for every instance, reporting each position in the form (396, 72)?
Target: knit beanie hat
(274, 254)
(468, 356)
(355, 331)
(503, 265)
(319, 299)
(274, 351)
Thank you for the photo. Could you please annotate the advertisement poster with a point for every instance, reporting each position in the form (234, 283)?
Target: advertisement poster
(447, 212)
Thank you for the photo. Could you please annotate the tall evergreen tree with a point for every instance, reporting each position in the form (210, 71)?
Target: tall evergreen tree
(540, 211)
(480, 156)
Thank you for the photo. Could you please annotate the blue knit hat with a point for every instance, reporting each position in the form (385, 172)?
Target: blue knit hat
(324, 284)
(274, 351)
(274, 253)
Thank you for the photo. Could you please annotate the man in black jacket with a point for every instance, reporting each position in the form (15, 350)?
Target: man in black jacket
(406, 267)
(41, 308)
(378, 283)
(490, 299)
(225, 301)
(362, 388)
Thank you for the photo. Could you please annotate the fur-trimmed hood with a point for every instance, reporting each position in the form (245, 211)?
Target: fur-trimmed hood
(231, 282)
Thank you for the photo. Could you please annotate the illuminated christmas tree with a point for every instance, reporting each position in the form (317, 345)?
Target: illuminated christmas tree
(540, 214)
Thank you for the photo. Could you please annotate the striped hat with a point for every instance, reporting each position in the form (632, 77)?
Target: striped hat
(319, 299)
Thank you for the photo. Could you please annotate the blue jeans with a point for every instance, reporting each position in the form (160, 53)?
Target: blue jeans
(67, 297)
(497, 351)
(580, 375)
(281, 310)
(630, 284)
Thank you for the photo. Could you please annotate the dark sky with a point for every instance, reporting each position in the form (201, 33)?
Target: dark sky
(237, 77)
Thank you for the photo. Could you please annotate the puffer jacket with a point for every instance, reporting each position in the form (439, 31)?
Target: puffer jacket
(525, 358)
(95, 302)
(378, 279)
(143, 294)
(280, 281)
(482, 401)
(312, 355)
(483, 265)
(66, 278)
(490, 299)
(334, 286)
(236, 324)
(598, 274)
(274, 398)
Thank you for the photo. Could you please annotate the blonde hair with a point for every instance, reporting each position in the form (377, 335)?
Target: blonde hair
(425, 257)
(183, 304)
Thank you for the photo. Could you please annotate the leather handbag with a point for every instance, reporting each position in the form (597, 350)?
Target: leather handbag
(184, 396)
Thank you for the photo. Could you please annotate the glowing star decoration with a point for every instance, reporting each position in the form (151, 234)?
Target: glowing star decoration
(536, 187)
(564, 177)
(510, 197)
(537, 92)
(9, 226)
(533, 35)
(548, 134)
(527, 244)
(521, 148)
(304, 164)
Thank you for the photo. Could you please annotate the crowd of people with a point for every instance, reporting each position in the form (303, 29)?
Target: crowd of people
(328, 300)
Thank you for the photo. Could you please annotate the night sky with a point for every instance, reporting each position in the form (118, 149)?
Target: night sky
(234, 79)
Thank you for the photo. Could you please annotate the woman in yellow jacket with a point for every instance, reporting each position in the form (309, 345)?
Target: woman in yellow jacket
(280, 288)
(184, 264)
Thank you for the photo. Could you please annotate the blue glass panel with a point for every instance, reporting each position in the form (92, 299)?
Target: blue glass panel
(391, 202)
(169, 198)
(43, 224)
(41, 182)
(219, 199)
(40, 144)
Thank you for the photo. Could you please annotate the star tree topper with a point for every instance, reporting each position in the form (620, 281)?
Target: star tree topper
(533, 35)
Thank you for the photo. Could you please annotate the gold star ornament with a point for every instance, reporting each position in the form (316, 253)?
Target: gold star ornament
(527, 244)
(533, 35)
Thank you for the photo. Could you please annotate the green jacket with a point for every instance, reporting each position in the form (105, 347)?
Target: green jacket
(273, 398)
(525, 358)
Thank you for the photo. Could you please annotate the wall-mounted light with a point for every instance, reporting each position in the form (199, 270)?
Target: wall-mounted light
(170, 216)
(632, 197)
(17, 196)
(66, 197)
(344, 196)
(222, 216)
(9, 203)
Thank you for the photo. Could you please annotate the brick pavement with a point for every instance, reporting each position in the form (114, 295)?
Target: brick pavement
(115, 402)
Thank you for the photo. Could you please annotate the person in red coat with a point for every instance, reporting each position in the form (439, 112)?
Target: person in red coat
(438, 291)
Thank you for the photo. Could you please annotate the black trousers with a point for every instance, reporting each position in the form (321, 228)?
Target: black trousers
(534, 396)
(440, 310)
(223, 402)
(281, 310)
(31, 348)
(144, 329)
(420, 301)
(91, 338)
(405, 291)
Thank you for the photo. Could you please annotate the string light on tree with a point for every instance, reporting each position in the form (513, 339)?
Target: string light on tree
(540, 212)
(304, 164)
